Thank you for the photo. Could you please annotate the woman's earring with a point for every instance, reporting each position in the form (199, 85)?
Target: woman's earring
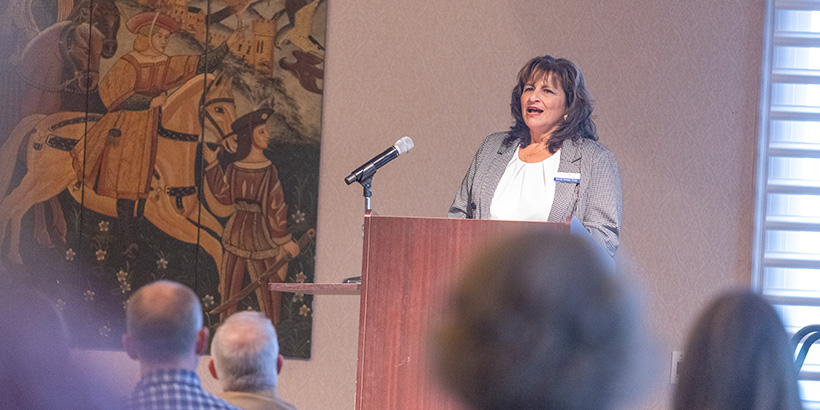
(565, 117)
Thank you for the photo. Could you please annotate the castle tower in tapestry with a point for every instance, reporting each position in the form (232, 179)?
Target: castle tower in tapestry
(256, 49)
(263, 33)
(242, 49)
(195, 23)
(178, 10)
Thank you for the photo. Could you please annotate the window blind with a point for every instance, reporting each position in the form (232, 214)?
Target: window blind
(786, 266)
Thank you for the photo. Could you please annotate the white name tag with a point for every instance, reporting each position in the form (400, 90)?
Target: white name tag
(570, 177)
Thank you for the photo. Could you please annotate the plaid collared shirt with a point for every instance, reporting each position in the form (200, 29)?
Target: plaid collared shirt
(175, 389)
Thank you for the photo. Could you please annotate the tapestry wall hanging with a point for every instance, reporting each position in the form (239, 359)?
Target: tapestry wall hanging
(161, 139)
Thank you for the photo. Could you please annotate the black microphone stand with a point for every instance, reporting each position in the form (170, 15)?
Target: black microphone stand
(364, 175)
(367, 188)
(367, 191)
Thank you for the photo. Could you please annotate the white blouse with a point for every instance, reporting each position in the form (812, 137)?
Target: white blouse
(526, 190)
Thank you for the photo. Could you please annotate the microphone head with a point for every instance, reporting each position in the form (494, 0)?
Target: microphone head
(404, 144)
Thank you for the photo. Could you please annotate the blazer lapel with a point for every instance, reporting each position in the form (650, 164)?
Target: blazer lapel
(566, 193)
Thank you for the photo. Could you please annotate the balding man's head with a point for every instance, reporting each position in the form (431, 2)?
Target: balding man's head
(162, 322)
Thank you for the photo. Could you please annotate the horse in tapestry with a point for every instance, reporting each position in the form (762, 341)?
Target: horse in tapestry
(173, 206)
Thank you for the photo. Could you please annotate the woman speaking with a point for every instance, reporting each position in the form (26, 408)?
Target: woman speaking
(549, 166)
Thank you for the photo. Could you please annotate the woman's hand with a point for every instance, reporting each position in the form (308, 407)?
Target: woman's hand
(292, 248)
(158, 101)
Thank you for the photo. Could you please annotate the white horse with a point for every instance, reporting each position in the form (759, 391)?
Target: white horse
(172, 205)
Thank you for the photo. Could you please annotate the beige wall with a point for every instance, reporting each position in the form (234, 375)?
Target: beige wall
(676, 85)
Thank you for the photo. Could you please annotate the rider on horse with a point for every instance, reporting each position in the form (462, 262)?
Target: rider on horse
(118, 154)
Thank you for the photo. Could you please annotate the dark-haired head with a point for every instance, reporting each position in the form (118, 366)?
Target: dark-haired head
(738, 357)
(568, 77)
(244, 142)
(539, 321)
(244, 128)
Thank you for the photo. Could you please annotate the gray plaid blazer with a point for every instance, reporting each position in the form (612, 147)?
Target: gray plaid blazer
(597, 201)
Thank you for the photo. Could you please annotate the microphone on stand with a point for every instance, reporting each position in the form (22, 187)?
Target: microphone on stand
(364, 172)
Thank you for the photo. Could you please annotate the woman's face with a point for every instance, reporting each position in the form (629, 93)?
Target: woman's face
(261, 138)
(159, 39)
(543, 104)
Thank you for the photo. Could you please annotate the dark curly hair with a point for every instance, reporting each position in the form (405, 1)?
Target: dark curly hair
(579, 103)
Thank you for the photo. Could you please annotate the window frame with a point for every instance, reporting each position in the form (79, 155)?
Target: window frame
(770, 76)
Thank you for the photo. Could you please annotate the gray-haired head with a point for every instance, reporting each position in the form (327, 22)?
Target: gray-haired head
(245, 352)
(162, 320)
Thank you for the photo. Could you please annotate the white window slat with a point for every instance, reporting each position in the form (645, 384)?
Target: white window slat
(794, 113)
(791, 223)
(784, 186)
(797, 5)
(786, 298)
(796, 39)
(796, 76)
(794, 149)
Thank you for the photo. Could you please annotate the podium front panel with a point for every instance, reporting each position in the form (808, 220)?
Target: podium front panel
(408, 268)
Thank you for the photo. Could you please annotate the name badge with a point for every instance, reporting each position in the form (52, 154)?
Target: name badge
(570, 177)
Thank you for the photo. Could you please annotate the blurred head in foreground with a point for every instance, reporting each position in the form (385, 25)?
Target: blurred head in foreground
(36, 368)
(738, 356)
(539, 321)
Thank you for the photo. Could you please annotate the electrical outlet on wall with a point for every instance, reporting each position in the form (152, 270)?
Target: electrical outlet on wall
(677, 358)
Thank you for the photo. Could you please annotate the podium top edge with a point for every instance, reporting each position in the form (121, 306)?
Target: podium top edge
(372, 214)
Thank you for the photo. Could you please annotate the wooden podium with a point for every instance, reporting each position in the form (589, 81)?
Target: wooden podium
(408, 267)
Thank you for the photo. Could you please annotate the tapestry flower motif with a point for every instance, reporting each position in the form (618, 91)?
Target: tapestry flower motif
(207, 301)
(299, 297)
(105, 331)
(89, 295)
(125, 287)
(103, 226)
(60, 305)
(122, 280)
(69, 254)
(298, 216)
(300, 277)
(101, 254)
(304, 310)
(162, 264)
